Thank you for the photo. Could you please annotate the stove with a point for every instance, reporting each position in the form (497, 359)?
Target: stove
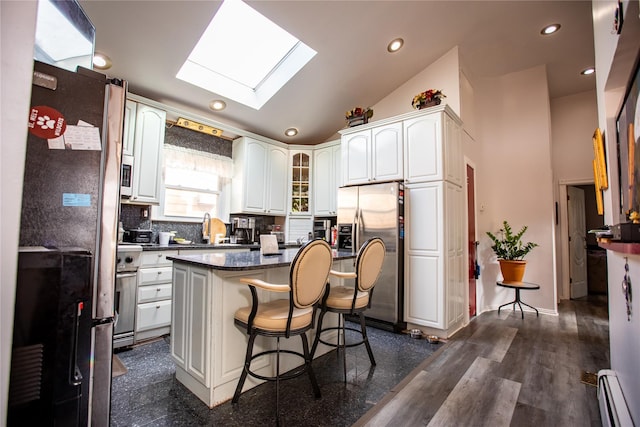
(128, 257)
(127, 263)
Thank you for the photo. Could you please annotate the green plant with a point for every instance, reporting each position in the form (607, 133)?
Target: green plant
(510, 246)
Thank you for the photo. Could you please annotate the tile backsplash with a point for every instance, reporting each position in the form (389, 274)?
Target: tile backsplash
(133, 216)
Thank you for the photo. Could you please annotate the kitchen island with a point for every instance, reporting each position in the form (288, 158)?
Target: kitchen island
(206, 345)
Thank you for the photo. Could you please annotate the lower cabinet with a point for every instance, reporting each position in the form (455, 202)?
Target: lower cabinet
(153, 304)
(191, 330)
(434, 257)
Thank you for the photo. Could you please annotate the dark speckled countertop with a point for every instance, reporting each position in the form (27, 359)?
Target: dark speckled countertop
(175, 246)
(253, 260)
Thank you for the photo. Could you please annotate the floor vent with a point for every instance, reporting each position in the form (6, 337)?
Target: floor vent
(589, 378)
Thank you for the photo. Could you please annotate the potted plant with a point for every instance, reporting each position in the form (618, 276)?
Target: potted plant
(511, 250)
(428, 98)
(358, 116)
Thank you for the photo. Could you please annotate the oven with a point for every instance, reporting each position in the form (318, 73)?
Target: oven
(128, 261)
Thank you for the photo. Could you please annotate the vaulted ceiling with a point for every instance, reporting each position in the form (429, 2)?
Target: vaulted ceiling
(148, 42)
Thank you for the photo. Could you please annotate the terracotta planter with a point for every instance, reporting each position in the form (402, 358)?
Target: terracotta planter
(512, 271)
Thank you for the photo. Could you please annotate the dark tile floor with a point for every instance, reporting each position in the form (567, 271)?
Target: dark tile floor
(149, 395)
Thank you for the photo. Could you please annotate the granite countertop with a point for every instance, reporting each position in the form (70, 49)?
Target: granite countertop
(176, 246)
(253, 260)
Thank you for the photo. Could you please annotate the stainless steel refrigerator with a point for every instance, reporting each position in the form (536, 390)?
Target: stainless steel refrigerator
(64, 312)
(377, 210)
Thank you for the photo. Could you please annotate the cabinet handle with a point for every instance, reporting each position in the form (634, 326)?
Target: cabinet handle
(157, 307)
(159, 255)
(159, 273)
(158, 290)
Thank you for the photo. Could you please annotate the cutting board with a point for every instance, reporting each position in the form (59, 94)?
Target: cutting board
(216, 226)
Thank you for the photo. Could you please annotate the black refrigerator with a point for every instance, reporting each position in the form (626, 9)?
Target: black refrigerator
(64, 310)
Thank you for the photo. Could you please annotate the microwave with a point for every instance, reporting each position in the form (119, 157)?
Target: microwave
(126, 176)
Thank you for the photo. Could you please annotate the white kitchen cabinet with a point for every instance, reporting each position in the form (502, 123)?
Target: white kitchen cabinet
(299, 227)
(153, 301)
(433, 148)
(148, 136)
(128, 135)
(373, 154)
(326, 178)
(434, 257)
(300, 186)
(260, 178)
(191, 322)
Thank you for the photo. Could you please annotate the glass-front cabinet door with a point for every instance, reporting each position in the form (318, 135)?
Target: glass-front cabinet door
(300, 190)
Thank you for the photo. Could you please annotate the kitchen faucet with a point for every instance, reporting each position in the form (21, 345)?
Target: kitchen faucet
(206, 223)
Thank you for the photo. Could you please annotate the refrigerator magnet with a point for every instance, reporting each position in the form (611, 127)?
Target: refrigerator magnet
(46, 122)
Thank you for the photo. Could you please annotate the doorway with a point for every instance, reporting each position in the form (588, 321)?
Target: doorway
(587, 264)
(472, 244)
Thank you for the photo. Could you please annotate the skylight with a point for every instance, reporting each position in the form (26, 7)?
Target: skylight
(244, 56)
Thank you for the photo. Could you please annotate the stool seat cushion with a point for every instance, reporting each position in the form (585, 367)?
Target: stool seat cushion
(340, 297)
(273, 315)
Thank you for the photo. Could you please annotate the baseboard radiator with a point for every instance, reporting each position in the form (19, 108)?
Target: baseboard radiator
(613, 407)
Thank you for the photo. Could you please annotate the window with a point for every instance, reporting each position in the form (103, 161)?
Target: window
(195, 182)
(244, 56)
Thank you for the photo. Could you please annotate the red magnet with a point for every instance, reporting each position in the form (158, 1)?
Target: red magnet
(46, 122)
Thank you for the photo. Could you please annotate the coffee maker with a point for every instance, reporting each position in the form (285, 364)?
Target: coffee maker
(243, 229)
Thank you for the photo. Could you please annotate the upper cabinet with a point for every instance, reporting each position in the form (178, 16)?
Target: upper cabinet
(259, 177)
(421, 146)
(433, 149)
(326, 178)
(146, 134)
(129, 133)
(300, 181)
(372, 155)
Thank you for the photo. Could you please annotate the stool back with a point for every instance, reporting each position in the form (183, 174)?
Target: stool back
(369, 263)
(309, 273)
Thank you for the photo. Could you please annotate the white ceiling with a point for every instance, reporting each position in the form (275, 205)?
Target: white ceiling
(148, 42)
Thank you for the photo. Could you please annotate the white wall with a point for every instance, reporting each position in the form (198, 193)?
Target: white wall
(442, 74)
(18, 31)
(514, 181)
(574, 118)
(615, 58)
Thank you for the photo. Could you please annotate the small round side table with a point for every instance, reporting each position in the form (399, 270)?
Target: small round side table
(518, 286)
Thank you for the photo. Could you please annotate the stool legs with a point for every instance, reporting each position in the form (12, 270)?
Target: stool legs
(341, 339)
(245, 369)
(307, 361)
(365, 338)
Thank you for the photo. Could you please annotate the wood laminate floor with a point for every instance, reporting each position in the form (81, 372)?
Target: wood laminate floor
(502, 370)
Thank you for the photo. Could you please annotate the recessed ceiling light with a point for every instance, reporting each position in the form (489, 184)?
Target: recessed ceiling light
(217, 105)
(395, 45)
(101, 61)
(587, 71)
(291, 132)
(550, 29)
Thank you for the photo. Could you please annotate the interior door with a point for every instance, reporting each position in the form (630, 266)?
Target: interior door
(577, 242)
(471, 239)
